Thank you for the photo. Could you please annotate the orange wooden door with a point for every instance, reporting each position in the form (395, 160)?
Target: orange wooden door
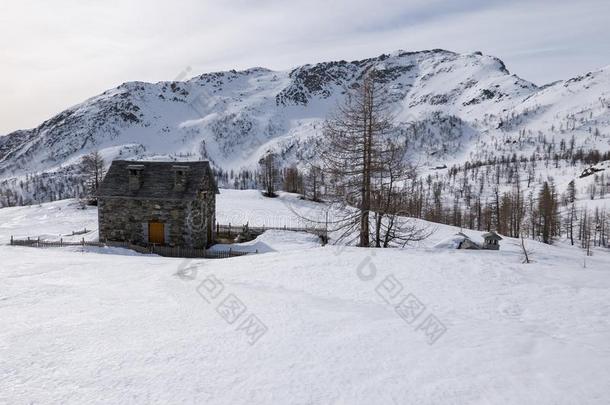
(156, 233)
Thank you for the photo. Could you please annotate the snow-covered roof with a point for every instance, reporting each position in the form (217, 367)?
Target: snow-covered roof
(452, 242)
(157, 180)
(492, 235)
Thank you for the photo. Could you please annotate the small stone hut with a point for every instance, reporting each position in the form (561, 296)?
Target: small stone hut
(464, 242)
(162, 203)
(491, 241)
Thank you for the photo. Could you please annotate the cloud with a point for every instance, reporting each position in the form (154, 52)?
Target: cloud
(55, 54)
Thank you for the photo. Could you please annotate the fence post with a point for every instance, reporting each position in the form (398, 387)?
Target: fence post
(11, 240)
(326, 230)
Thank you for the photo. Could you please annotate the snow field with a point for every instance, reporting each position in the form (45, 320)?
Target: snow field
(86, 327)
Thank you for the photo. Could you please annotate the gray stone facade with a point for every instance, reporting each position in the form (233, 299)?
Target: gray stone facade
(176, 202)
(491, 241)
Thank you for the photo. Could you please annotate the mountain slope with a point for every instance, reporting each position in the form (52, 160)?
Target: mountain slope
(450, 106)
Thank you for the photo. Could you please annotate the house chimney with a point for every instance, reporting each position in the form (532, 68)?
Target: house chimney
(180, 174)
(135, 176)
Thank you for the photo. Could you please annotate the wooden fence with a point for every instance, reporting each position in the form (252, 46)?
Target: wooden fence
(84, 231)
(167, 251)
(37, 242)
(229, 231)
(177, 251)
(233, 230)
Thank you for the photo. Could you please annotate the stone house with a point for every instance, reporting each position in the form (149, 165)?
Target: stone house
(464, 242)
(491, 241)
(162, 203)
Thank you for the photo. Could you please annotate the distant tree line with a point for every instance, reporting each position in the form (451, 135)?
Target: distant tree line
(505, 193)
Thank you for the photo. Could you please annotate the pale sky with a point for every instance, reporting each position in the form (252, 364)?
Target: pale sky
(54, 54)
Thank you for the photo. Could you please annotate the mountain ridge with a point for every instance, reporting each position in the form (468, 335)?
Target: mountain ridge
(450, 107)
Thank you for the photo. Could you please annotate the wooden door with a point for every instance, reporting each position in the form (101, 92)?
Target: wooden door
(156, 233)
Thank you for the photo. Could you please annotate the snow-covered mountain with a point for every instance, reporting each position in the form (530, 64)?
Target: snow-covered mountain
(451, 106)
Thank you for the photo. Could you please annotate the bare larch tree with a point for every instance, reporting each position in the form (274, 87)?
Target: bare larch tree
(353, 134)
(92, 167)
(365, 166)
(269, 174)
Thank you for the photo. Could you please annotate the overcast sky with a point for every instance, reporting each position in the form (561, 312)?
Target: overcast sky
(54, 54)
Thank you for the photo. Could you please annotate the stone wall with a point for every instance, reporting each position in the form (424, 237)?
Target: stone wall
(186, 222)
(200, 216)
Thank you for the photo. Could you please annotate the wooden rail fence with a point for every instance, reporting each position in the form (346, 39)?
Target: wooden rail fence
(175, 251)
(233, 230)
(167, 251)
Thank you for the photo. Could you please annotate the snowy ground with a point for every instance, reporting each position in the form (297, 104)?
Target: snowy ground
(85, 327)
(59, 219)
(249, 206)
(51, 221)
